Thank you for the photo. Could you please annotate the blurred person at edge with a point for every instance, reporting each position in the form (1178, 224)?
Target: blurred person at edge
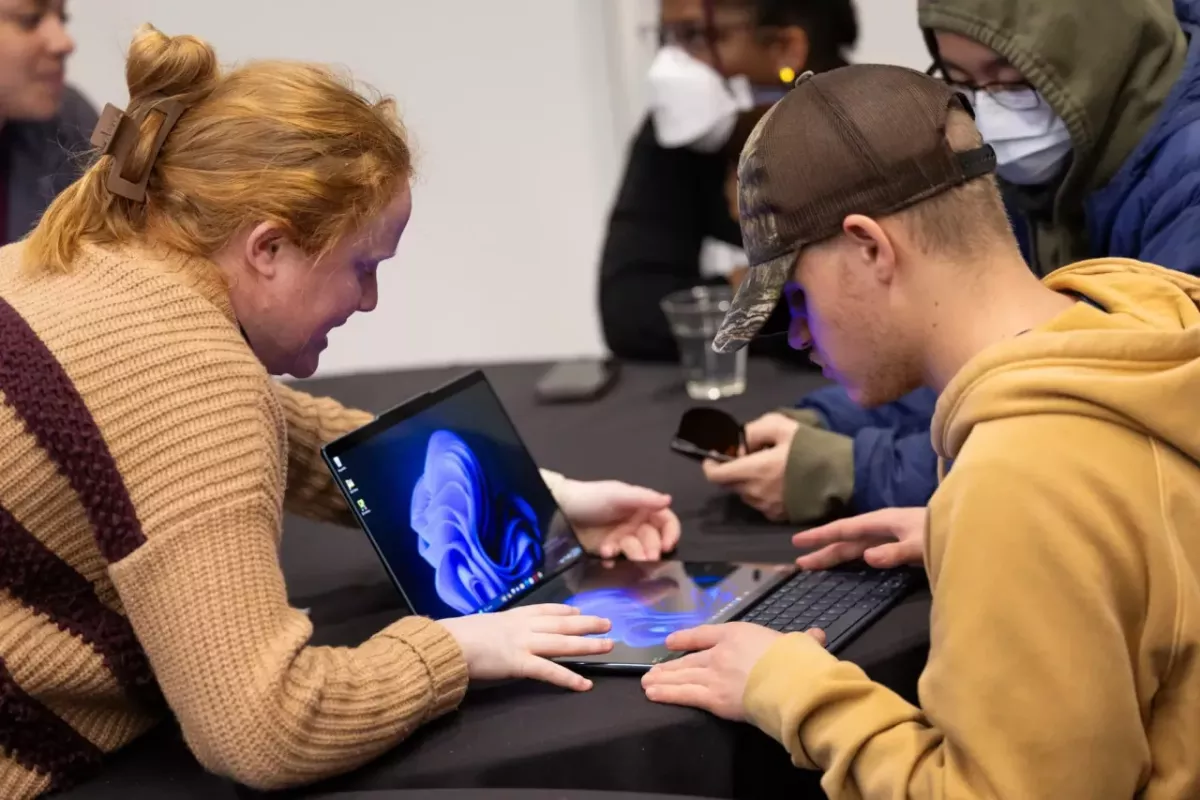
(1095, 119)
(671, 227)
(232, 221)
(44, 124)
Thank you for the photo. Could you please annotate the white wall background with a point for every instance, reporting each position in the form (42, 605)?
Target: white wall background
(520, 111)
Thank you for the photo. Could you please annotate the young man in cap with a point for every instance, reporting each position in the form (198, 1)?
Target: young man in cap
(1095, 118)
(1063, 545)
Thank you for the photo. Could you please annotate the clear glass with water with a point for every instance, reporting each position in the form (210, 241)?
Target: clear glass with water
(694, 316)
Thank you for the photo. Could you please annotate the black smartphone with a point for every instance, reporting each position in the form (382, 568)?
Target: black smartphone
(708, 432)
(686, 448)
(577, 381)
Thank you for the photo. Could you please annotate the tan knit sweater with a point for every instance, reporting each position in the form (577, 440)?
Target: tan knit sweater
(145, 461)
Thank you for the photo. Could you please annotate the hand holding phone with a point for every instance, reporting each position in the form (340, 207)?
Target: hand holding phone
(758, 478)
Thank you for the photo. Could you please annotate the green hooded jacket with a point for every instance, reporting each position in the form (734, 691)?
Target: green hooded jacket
(1104, 66)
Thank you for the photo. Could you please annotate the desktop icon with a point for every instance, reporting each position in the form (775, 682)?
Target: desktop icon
(362, 506)
(337, 462)
(350, 485)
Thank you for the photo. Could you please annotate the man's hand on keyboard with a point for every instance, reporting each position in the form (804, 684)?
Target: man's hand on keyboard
(713, 677)
(890, 537)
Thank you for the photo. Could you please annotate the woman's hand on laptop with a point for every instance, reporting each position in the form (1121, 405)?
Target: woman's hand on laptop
(519, 643)
(890, 537)
(613, 518)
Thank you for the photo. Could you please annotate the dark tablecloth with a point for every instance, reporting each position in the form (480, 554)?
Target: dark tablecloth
(527, 735)
(498, 794)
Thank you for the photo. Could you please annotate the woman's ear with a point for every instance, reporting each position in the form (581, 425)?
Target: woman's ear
(791, 52)
(263, 248)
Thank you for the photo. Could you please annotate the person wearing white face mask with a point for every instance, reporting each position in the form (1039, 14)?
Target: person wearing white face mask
(1032, 143)
(1098, 146)
(1095, 120)
(721, 63)
(693, 105)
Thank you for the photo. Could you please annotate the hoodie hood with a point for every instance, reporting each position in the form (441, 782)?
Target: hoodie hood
(1135, 364)
(1107, 75)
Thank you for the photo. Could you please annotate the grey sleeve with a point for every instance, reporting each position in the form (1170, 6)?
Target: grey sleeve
(77, 120)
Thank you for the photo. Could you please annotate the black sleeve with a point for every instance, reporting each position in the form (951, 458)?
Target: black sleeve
(661, 217)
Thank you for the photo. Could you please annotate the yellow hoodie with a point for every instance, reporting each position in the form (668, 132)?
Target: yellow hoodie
(1064, 554)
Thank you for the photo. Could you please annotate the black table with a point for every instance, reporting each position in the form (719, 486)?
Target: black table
(528, 735)
(498, 794)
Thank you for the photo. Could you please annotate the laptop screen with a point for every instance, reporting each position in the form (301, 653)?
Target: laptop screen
(453, 501)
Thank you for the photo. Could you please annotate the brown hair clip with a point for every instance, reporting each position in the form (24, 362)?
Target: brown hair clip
(116, 134)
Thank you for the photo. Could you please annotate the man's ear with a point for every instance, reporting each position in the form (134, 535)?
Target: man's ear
(872, 244)
(264, 246)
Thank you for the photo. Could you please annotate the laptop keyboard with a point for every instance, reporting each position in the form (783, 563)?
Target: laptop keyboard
(833, 600)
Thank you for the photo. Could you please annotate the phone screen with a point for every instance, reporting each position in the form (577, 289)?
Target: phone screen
(686, 448)
(575, 373)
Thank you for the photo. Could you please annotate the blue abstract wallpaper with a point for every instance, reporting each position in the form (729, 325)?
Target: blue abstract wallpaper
(457, 508)
(479, 544)
(637, 623)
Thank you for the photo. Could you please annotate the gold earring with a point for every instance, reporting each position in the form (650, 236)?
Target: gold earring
(787, 74)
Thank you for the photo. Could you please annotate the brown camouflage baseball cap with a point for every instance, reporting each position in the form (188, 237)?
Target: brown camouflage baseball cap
(865, 139)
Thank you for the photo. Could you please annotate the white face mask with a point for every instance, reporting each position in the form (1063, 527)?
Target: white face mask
(692, 104)
(1030, 140)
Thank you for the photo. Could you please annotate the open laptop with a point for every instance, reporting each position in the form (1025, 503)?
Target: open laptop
(460, 516)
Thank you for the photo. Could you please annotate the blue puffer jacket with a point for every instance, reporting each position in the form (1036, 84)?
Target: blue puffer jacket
(1149, 210)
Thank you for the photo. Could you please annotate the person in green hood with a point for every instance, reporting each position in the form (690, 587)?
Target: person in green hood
(1095, 119)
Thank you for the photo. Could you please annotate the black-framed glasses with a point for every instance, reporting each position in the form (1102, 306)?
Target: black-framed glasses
(705, 432)
(693, 36)
(1013, 95)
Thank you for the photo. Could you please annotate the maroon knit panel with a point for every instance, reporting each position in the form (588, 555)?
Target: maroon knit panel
(40, 741)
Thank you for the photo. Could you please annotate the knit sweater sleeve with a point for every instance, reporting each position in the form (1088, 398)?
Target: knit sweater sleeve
(312, 423)
(206, 598)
